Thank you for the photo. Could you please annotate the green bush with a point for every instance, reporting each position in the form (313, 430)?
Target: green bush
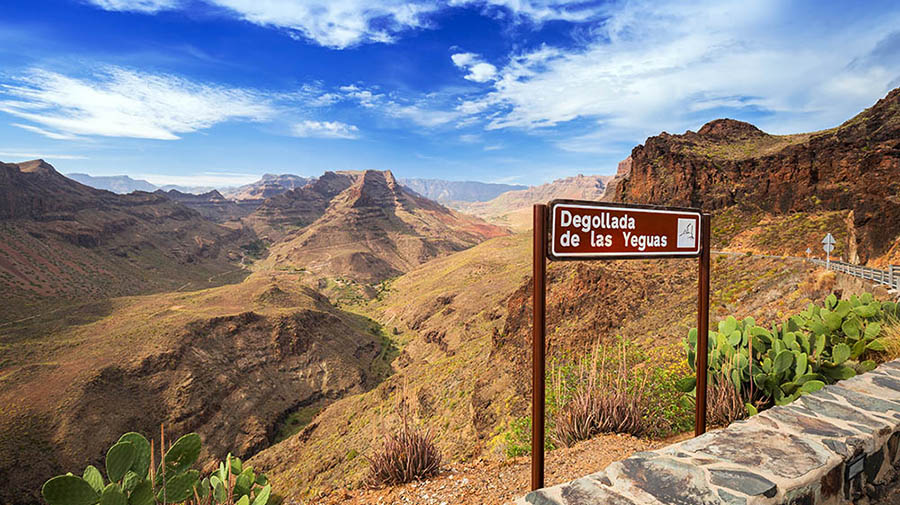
(818, 346)
(131, 478)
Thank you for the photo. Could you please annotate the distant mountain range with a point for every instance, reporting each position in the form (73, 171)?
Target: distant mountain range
(458, 191)
(513, 208)
(270, 185)
(124, 184)
(267, 186)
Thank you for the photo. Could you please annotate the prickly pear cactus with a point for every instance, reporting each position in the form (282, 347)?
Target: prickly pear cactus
(819, 346)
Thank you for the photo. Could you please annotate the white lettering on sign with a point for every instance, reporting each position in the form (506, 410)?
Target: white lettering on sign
(593, 229)
(642, 242)
(596, 222)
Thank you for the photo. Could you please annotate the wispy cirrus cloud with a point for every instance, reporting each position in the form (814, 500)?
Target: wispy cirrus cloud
(146, 6)
(31, 154)
(340, 24)
(116, 102)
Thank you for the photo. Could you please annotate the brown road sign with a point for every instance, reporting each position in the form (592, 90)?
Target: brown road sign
(593, 230)
(581, 230)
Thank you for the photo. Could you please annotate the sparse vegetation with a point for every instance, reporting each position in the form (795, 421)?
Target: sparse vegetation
(407, 455)
(619, 388)
(599, 400)
(724, 404)
(255, 249)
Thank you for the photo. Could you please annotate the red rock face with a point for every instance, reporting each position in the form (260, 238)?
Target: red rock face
(855, 166)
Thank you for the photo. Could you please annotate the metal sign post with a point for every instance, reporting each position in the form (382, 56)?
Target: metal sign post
(539, 328)
(584, 230)
(828, 245)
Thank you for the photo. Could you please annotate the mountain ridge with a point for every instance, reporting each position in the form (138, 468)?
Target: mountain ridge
(853, 167)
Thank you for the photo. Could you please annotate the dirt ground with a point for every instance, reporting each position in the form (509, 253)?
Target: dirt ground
(494, 483)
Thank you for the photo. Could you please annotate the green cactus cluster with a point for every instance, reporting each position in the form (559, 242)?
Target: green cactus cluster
(819, 346)
(131, 480)
(233, 483)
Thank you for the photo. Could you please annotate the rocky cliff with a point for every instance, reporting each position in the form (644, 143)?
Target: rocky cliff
(854, 167)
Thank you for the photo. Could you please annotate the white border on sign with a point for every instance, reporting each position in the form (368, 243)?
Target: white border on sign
(621, 209)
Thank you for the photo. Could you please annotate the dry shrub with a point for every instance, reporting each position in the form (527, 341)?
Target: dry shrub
(825, 281)
(603, 401)
(407, 455)
(890, 337)
(724, 404)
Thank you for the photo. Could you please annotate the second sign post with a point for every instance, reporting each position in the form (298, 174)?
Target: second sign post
(583, 230)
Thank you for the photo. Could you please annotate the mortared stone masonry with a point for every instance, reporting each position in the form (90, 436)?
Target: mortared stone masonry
(835, 446)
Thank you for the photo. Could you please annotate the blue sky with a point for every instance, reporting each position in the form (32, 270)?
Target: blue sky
(217, 92)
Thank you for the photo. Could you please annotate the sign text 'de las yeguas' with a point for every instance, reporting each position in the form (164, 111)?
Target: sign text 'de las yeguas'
(585, 230)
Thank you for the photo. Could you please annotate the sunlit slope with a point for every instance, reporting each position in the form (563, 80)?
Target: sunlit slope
(227, 362)
(463, 324)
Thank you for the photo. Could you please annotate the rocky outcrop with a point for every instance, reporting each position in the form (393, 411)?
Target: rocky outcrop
(371, 227)
(855, 166)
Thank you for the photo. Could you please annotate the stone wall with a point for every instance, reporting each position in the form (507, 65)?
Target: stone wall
(839, 445)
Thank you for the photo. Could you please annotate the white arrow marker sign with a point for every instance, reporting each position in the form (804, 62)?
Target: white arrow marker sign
(828, 245)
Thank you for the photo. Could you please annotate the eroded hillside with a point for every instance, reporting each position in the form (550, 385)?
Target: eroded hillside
(463, 324)
(375, 229)
(229, 363)
(64, 242)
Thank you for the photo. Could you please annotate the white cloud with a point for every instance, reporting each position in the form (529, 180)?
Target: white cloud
(116, 102)
(654, 67)
(48, 134)
(205, 179)
(325, 130)
(463, 60)
(479, 71)
(148, 6)
(334, 23)
(365, 97)
(339, 24)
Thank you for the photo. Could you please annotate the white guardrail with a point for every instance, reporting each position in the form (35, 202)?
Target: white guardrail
(890, 277)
